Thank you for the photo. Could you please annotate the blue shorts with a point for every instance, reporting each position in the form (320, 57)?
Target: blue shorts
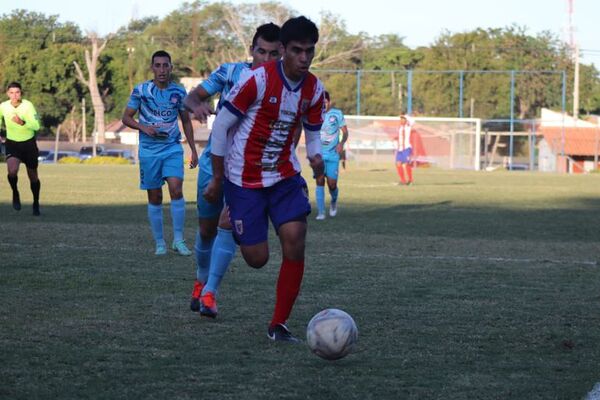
(154, 170)
(250, 209)
(332, 168)
(404, 155)
(203, 207)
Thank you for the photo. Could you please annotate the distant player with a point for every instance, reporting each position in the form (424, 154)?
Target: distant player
(160, 102)
(21, 122)
(252, 148)
(404, 151)
(333, 123)
(214, 246)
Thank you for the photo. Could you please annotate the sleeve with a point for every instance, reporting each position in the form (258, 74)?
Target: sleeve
(32, 121)
(313, 118)
(224, 121)
(182, 94)
(342, 119)
(135, 99)
(216, 80)
(313, 142)
(242, 96)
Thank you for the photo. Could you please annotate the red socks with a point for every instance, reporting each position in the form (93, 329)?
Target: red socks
(288, 287)
(401, 172)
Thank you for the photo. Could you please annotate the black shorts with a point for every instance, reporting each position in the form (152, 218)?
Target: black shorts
(26, 151)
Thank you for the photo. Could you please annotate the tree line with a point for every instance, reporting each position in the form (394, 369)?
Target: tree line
(43, 54)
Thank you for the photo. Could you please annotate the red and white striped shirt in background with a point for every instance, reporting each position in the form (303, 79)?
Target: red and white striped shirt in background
(404, 135)
(260, 147)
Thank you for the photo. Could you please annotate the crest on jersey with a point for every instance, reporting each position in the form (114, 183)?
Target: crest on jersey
(175, 98)
(239, 226)
(273, 100)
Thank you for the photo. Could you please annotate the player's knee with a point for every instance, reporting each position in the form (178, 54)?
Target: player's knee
(255, 259)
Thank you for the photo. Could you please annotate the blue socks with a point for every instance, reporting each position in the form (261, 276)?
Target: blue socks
(334, 195)
(178, 218)
(156, 222)
(223, 251)
(321, 199)
(202, 249)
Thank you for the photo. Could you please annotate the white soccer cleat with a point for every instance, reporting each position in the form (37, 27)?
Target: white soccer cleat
(320, 217)
(333, 209)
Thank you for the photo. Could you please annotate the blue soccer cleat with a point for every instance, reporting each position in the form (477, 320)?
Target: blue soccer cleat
(181, 248)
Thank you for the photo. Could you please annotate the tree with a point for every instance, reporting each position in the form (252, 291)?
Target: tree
(91, 62)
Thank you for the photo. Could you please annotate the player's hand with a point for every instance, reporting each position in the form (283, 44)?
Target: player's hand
(194, 160)
(339, 148)
(148, 130)
(212, 193)
(201, 111)
(317, 165)
(18, 120)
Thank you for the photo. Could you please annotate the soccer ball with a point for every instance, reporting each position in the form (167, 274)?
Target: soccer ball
(331, 334)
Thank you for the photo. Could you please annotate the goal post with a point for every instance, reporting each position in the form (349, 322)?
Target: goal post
(448, 143)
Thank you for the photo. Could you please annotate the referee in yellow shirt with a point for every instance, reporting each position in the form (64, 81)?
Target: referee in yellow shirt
(21, 122)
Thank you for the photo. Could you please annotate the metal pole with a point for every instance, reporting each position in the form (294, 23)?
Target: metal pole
(576, 86)
(409, 93)
(564, 110)
(512, 118)
(460, 94)
(358, 92)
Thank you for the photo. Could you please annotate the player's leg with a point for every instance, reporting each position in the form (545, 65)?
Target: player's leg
(31, 162)
(222, 253)
(399, 167)
(408, 166)
(248, 216)
(208, 218)
(332, 178)
(320, 196)
(172, 170)
(288, 208)
(13, 160)
(151, 181)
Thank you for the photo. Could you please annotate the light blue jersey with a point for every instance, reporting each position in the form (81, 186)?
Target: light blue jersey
(221, 80)
(158, 108)
(330, 133)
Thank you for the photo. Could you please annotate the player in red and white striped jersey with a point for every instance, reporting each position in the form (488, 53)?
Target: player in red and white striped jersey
(252, 147)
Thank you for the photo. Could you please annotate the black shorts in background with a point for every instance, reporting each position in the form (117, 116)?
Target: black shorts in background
(26, 151)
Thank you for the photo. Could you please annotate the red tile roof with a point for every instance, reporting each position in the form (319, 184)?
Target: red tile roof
(577, 141)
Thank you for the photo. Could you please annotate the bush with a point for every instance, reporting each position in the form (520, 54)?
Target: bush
(69, 160)
(102, 160)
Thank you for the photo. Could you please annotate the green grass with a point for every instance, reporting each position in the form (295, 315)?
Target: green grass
(464, 286)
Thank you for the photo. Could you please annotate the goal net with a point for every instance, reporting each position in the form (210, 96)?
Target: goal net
(449, 143)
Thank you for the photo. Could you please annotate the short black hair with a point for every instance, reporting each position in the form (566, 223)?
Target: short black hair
(269, 32)
(300, 29)
(14, 85)
(160, 53)
(327, 95)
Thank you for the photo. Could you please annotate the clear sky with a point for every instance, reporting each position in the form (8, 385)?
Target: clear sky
(418, 21)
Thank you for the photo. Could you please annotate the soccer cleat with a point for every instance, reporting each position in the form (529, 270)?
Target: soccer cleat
(280, 333)
(333, 209)
(208, 305)
(181, 248)
(161, 249)
(195, 302)
(36, 209)
(16, 203)
(320, 217)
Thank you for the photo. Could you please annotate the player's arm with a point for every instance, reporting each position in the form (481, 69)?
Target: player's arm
(313, 150)
(224, 121)
(197, 102)
(30, 119)
(188, 131)
(340, 146)
(129, 121)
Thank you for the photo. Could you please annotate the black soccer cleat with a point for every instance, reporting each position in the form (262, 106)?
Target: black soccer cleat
(16, 203)
(280, 333)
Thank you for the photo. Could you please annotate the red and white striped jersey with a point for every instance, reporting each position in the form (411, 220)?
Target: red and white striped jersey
(260, 149)
(404, 136)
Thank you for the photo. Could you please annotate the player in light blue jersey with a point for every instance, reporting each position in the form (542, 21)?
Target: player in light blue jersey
(159, 103)
(332, 147)
(215, 246)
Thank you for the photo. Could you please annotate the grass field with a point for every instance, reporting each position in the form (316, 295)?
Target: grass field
(464, 286)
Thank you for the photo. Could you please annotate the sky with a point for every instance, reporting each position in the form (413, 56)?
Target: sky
(419, 22)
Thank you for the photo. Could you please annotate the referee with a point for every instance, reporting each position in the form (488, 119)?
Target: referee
(21, 122)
